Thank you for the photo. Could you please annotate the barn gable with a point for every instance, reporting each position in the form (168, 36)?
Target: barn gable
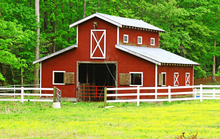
(120, 22)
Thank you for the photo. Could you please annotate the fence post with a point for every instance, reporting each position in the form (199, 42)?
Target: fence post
(96, 91)
(22, 94)
(40, 91)
(195, 92)
(138, 95)
(169, 93)
(14, 91)
(200, 92)
(214, 93)
(54, 94)
(156, 92)
(105, 96)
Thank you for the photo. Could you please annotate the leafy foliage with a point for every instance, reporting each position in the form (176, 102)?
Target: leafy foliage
(191, 28)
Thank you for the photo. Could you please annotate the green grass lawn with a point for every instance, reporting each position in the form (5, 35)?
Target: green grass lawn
(125, 120)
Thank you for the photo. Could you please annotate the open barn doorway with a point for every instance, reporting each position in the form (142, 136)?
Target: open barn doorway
(93, 78)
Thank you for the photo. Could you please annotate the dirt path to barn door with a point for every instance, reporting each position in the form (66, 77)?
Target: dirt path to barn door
(93, 77)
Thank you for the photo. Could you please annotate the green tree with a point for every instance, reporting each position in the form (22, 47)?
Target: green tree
(11, 34)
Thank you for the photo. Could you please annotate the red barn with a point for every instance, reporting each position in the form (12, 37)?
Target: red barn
(113, 51)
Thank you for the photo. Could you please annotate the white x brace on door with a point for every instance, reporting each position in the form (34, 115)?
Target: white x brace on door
(98, 44)
(187, 79)
(176, 76)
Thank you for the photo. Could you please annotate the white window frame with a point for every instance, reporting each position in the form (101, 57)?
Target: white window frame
(125, 35)
(187, 79)
(176, 77)
(54, 78)
(165, 78)
(151, 41)
(141, 78)
(139, 37)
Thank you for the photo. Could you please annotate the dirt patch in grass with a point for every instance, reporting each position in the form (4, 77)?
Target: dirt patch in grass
(206, 80)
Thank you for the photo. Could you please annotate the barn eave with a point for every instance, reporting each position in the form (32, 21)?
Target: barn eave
(92, 16)
(55, 53)
(156, 55)
(121, 22)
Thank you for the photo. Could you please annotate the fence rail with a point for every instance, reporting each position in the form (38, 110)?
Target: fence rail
(199, 92)
(22, 94)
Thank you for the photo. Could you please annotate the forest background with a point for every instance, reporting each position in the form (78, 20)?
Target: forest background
(192, 30)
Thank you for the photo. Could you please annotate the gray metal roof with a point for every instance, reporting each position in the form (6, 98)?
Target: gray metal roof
(55, 53)
(155, 55)
(119, 21)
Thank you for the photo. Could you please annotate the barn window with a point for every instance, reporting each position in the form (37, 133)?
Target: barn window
(139, 40)
(176, 80)
(136, 78)
(58, 77)
(162, 79)
(187, 79)
(152, 41)
(125, 38)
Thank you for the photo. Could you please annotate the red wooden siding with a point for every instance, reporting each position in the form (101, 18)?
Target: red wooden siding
(170, 70)
(61, 62)
(133, 37)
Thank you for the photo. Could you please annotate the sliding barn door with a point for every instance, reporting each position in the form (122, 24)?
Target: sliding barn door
(98, 44)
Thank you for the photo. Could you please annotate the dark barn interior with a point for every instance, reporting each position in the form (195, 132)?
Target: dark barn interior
(93, 78)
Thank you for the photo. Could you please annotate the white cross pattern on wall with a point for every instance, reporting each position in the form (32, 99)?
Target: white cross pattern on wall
(176, 76)
(99, 38)
(187, 79)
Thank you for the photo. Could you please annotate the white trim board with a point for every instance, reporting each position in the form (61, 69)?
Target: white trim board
(94, 15)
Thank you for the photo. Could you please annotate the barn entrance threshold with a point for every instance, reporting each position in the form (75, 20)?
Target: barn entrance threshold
(93, 78)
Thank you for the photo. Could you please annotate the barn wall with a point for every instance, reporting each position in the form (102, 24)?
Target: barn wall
(170, 74)
(170, 70)
(129, 63)
(61, 62)
(133, 36)
(84, 31)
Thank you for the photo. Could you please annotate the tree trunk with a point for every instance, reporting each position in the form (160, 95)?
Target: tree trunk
(213, 66)
(36, 69)
(71, 6)
(84, 9)
(0, 12)
(4, 72)
(12, 74)
(22, 81)
(97, 8)
(54, 25)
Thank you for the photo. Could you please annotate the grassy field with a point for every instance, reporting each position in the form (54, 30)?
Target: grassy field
(125, 120)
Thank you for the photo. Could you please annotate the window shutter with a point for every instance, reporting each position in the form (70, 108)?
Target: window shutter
(160, 79)
(69, 78)
(124, 79)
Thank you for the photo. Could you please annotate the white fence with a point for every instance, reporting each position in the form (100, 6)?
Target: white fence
(22, 94)
(200, 92)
